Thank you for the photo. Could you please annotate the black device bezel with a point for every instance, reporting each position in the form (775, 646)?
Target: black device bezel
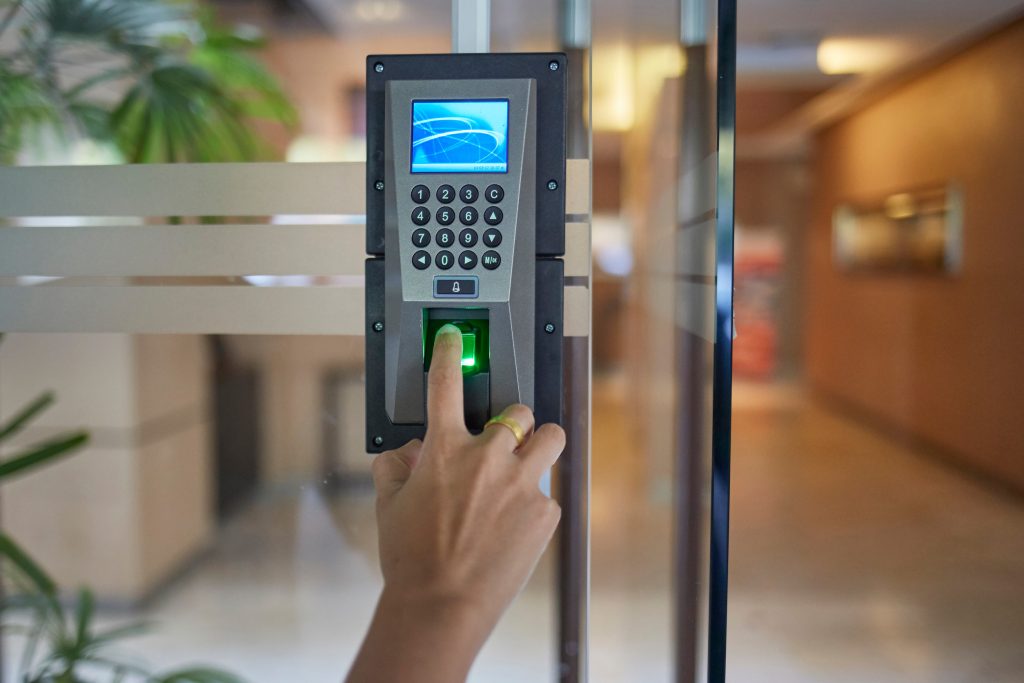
(381, 433)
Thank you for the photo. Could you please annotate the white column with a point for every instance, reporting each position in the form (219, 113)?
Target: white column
(471, 25)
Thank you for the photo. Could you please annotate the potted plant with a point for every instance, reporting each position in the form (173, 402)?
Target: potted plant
(63, 645)
(159, 79)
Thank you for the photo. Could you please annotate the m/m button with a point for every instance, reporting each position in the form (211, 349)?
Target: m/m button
(455, 287)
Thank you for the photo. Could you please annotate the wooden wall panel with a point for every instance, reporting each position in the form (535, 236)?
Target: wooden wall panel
(941, 358)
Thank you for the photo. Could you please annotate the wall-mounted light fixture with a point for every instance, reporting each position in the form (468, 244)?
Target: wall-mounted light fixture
(919, 231)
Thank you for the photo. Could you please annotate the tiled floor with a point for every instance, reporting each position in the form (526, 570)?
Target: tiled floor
(857, 559)
(853, 560)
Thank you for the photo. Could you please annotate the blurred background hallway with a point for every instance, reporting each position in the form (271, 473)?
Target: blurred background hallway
(877, 513)
(840, 571)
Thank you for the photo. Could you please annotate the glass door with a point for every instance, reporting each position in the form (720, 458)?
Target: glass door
(182, 348)
(662, 338)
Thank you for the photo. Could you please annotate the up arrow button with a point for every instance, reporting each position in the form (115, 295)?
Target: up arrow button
(493, 216)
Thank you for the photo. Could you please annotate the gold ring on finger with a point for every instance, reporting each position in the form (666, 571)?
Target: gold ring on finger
(509, 423)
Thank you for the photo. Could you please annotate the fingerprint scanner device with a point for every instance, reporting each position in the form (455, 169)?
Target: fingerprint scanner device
(465, 224)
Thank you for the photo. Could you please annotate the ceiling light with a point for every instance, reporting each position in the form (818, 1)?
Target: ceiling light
(859, 55)
(378, 11)
(612, 88)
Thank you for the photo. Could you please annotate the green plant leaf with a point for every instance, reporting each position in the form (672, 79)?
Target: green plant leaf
(109, 636)
(38, 577)
(93, 120)
(72, 94)
(25, 415)
(198, 675)
(115, 21)
(43, 453)
(83, 617)
(28, 654)
(115, 664)
(178, 112)
(24, 104)
(255, 91)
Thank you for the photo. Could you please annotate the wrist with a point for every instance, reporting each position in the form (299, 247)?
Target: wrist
(450, 609)
(430, 636)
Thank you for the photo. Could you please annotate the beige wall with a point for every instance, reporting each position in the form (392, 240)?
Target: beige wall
(318, 72)
(941, 358)
(293, 370)
(128, 511)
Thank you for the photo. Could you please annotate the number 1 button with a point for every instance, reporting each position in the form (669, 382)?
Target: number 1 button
(420, 194)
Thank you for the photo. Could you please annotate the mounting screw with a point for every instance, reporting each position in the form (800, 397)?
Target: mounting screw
(378, 67)
(553, 65)
(552, 185)
(549, 328)
(378, 326)
(379, 186)
(378, 440)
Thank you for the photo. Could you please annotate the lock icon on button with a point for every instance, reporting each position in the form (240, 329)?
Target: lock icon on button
(455, 287)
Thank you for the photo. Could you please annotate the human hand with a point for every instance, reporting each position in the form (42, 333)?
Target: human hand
(461, 517)
(462, 523)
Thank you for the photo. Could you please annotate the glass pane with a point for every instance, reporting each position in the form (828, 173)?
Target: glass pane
(656, 240)
(878, 459)
(224, 495)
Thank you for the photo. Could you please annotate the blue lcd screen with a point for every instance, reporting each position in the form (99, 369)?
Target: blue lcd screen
(460, 136)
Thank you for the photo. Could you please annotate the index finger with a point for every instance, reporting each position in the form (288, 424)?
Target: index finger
(444, 383)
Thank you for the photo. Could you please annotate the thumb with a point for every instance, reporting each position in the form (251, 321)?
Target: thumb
(392, 469)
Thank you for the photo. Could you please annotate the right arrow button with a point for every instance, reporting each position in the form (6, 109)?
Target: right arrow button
(467, 260)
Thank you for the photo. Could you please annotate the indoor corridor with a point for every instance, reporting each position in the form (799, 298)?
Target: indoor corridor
(855, 557)
(760, 259)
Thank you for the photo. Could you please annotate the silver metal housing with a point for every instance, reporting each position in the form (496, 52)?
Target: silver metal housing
(507, 293)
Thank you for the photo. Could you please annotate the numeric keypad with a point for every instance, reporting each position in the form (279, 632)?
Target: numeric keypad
(445, 238)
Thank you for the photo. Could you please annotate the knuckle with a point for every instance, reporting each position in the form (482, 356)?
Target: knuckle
(519, 410)
(556, 434)
(445, 440)
(380, 464)
(553, 430)
(551, 511)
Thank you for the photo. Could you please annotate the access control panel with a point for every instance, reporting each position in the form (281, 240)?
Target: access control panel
(465, 223)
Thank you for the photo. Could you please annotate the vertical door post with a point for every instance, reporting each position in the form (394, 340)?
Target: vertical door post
(574, 465)
(471, 25)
